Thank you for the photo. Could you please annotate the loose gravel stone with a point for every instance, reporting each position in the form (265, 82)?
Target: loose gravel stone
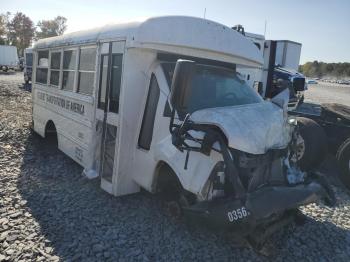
(50, 212)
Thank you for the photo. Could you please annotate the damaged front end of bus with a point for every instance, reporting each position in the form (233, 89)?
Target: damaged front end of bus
(258, 182)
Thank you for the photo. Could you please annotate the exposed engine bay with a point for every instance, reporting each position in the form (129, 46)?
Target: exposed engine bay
(257, 180)
(247, 190)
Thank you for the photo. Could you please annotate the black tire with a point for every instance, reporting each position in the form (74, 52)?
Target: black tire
(315, 144)
(343, 159)
(170, 190)
(51, 135)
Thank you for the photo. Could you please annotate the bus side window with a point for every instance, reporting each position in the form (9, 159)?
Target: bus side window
(42, 67)
(86, 71)
(146, 132)
(69, 66)
(55, 66)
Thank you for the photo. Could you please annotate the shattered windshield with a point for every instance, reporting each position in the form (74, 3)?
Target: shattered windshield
(219, 87)
(214, 86)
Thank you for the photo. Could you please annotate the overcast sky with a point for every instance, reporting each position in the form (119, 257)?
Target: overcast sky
(323, 27)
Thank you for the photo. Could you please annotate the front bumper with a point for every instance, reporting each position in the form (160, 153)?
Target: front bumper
(244, 215)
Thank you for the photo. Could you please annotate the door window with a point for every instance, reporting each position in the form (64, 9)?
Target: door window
(103, 82)
(110, 82)
(109, 152)
(108, 101)
(116, 75)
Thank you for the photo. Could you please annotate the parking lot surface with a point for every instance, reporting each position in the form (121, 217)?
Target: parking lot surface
(50, 212)
(328, 93)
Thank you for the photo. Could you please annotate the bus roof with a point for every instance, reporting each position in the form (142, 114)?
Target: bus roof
(167, 31)
(255, 36)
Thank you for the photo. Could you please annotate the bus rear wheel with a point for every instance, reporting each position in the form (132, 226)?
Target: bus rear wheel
(51, 134)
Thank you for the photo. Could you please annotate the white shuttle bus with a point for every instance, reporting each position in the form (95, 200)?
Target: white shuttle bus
(211, 145)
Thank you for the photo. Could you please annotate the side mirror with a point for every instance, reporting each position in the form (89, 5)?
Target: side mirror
(299, 84)
(180, 86)
(281, 99)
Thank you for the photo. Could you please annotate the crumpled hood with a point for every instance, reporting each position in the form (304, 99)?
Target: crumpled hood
(252, 128)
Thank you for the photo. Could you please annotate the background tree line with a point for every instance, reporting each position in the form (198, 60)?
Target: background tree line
(321, 69)
(19, 30)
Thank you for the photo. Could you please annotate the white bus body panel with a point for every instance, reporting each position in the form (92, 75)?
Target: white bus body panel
(162, 150)
(74, 129)
(135, 167)
(133, 94)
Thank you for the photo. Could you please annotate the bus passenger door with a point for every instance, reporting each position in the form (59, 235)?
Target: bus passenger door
(107, 113)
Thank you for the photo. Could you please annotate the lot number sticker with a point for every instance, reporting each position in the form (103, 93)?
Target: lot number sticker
(237, 214)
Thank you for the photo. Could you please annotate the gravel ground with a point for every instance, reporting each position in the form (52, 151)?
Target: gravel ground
(328, 93)
(49, 212)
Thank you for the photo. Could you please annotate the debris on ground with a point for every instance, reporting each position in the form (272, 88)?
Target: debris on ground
(50, 212)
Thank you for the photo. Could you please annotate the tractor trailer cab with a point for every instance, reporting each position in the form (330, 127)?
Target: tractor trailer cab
(281, 63)
(280, 69)
(160, 105)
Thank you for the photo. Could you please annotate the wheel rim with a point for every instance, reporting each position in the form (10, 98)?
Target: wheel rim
(175, 206)
(299, 149)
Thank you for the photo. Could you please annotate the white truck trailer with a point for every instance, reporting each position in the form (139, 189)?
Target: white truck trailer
(8, 58)
(160, 105)
(288, 54)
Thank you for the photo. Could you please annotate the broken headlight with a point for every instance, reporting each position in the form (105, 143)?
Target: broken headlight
(214, 187)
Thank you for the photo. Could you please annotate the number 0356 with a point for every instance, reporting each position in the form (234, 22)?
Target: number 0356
(237, 214)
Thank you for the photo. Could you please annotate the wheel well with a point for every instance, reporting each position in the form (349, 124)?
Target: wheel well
(51, 132)
(165, 177)
(168, 185)
(50, 128)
